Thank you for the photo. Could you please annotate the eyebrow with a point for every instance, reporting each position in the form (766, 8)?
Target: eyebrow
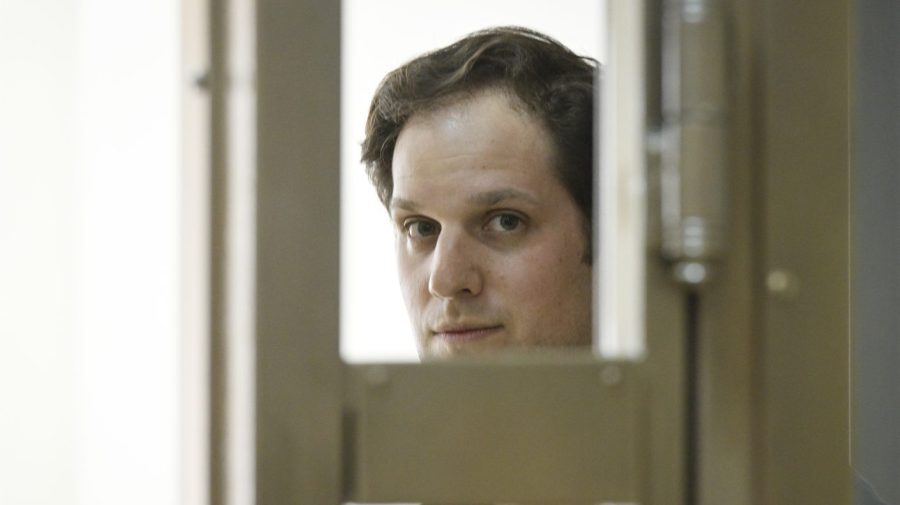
(485, 199)
(489, 198)
(402, 203)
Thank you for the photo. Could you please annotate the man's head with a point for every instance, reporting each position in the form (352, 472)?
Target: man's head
(482, 153)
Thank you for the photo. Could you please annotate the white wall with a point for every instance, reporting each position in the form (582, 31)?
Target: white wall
(37, 284)
(379, 36)
(89, 170)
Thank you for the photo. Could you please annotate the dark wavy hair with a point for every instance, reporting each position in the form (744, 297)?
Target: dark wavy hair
(552, 83)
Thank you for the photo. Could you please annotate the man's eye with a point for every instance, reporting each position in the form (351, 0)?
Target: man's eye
(421, 229)
(505, 223)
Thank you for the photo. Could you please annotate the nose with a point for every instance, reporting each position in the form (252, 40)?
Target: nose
(455, 270)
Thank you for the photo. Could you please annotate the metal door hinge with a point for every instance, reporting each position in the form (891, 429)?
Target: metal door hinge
(694, 136)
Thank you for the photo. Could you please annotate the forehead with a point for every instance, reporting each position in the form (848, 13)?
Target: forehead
(480, 143)
(492, 116)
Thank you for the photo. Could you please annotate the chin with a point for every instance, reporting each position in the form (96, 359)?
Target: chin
(436, 350)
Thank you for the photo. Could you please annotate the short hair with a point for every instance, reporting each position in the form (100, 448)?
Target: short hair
(554, 85)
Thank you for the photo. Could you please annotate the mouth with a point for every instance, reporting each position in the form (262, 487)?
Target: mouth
(466, 333)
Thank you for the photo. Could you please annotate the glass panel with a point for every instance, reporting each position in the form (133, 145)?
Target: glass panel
(378, 37)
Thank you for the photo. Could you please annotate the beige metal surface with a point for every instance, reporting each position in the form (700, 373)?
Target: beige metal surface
(663, 427)
(805, 139)
(519, 430)
(663, 442)
(727, 360)
(299, 373)
(772, 329)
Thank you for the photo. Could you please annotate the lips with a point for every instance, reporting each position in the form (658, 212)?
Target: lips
(466, 333)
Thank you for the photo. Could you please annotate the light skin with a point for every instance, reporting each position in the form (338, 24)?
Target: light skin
(490, 245)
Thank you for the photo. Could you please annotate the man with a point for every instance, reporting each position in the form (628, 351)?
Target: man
(482, 154)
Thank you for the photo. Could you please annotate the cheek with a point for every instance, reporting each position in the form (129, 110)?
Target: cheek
(413, 279)
(545, 280)
(523, 284)
(552, 302)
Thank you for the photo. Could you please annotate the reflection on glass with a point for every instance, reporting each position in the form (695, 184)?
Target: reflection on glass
(621, 207)
(494, 220)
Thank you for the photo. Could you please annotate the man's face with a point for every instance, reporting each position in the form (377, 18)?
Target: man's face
(490, 245)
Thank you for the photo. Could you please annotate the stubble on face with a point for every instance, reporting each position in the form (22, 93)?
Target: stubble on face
(490, 245)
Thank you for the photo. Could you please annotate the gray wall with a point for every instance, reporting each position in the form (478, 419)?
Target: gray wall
(876, 252)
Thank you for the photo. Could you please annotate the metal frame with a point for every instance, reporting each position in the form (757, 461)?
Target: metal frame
(516, 430)
(803, 281)
(772, 332)
(299, 393)
(300, 378)
(771, 424)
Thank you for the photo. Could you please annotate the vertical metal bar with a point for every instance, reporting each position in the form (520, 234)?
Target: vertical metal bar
(241, 252)
(693, 182)
(691, 399)
(726, 350)
(664, 368)
(299, 373)
(215, 81)
(230, 82)
(805, 314)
